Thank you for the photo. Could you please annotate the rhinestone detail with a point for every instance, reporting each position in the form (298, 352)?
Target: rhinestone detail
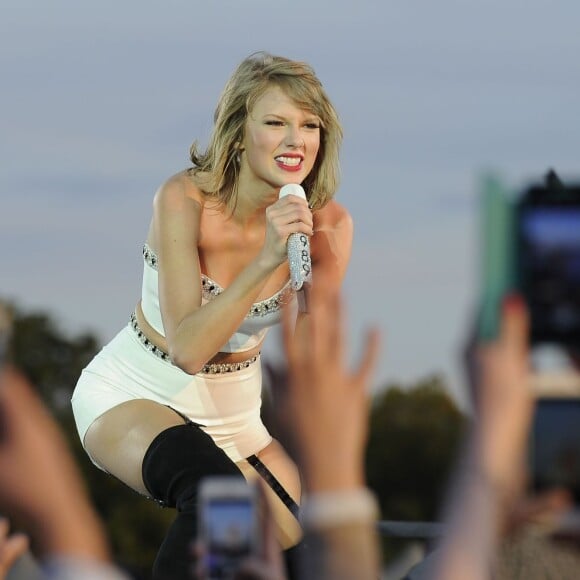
(207, 369)
(150, 256)
(145, 341)
(210, 289)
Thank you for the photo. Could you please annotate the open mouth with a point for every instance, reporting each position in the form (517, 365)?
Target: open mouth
(289, 162)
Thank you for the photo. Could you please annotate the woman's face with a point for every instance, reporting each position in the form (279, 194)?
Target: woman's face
(281, 140)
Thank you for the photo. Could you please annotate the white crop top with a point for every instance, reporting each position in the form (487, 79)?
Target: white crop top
(262, 315)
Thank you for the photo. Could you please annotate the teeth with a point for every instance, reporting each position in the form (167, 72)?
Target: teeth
(292, 161)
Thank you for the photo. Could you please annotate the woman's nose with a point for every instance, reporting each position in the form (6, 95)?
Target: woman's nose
(294, 137)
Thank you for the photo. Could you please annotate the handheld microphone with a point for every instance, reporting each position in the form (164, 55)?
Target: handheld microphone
(298, 246)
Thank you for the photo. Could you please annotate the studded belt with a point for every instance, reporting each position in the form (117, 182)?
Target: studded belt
(207, 369)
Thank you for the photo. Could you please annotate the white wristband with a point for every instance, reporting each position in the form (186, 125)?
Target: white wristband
(63, 567)
(332, 508)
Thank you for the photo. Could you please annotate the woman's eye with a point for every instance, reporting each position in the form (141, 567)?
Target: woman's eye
(312, 126)
(275, 123)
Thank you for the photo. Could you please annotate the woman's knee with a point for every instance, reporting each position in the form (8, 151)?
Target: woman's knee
(178, 459)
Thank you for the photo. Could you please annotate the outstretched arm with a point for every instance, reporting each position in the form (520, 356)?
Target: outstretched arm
(490, 473)
(327, 406)
(41, 490)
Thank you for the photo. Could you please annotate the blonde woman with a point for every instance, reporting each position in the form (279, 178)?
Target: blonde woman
(176, 395)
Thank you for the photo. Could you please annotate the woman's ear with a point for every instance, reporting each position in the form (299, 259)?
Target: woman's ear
(238, 149)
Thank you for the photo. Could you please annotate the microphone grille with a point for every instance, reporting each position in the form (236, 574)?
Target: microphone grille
(292, 189)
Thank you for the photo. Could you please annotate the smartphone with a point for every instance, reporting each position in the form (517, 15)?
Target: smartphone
(5, 334)
(554, 445)
(5, 343)
(547, 250)
(228, 524)
(496, 254)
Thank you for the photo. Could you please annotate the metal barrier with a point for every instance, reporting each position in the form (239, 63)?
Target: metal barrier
(411, 530)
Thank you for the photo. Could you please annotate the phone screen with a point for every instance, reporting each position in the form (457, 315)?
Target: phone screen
(230, 531)
(555, 445)
(550, 271)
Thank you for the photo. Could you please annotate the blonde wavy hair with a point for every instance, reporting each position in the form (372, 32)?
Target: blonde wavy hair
(218, 167)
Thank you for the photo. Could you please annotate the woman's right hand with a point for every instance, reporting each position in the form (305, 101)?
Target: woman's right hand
(288, 215)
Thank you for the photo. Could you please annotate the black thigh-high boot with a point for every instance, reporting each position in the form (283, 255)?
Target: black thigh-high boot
(176, 461)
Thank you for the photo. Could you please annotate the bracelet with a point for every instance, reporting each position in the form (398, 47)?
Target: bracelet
(500, 491)
(331, 508)
(73, 567)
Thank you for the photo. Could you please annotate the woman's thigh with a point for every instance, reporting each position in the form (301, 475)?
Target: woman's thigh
(275, 458)
(118, 440)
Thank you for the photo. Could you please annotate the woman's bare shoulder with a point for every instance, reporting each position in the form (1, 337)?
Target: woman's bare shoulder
(178, 190)
(333, 216)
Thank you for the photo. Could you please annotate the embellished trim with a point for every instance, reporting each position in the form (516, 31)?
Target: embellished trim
(221, 368)
(146, 342)
(210, 289)
(207, 369)
(274, 303)
(149, 256)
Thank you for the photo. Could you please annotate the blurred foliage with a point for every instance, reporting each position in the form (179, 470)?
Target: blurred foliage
(136, 526)
(412, 446)
(52, 361)
(413, 439)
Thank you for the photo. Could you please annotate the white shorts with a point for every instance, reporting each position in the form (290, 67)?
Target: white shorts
(226, 405)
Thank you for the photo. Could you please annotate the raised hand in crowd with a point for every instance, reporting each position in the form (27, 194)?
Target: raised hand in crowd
(41, 490)
(12, 546)
(327, 405)
(491, 477)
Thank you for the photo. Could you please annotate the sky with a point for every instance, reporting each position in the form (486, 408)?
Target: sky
(100, 102)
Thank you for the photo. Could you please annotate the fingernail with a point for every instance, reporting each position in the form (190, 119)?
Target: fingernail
(512, 301)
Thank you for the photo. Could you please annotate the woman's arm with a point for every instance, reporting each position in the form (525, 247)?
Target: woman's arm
(194, 334)
(330, 249)
(331, 244)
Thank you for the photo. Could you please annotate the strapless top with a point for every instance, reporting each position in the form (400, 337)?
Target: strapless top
(261, 316)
